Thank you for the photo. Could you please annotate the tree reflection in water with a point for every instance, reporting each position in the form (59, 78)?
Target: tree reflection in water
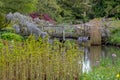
(91, 58)
(86, 62)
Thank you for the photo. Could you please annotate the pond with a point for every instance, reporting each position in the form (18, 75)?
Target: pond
(93, 56)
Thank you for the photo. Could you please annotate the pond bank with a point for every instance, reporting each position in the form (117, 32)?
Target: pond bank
(101, 62)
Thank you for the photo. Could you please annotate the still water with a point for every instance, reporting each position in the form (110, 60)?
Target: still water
(94, 54)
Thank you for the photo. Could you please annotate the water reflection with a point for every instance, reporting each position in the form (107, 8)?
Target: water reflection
(93, 55)
(86, 62)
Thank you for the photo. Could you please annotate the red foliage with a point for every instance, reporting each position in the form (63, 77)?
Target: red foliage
(47, 18)
(42, 16)
(34, 15)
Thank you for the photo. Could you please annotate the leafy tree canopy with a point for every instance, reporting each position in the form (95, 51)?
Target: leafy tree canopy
(23, 6)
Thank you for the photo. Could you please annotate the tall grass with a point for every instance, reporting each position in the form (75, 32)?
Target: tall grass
(39, 60)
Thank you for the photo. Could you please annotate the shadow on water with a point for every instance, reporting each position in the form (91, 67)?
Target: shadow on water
(94, 54)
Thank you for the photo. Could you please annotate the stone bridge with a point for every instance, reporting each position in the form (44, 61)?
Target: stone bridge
(76, 31)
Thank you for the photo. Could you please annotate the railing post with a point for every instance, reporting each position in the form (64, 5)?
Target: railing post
(63, 33)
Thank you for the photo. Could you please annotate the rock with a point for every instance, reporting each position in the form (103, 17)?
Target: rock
(82, 39)
(114, 55)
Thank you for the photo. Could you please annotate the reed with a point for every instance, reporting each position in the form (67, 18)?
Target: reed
(40, 60)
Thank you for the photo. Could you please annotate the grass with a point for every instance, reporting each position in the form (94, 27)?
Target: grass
(102, 73)
(39, 60)
(109, 68)
(105, 71)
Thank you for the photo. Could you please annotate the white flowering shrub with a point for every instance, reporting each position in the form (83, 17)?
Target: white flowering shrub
(25, 26)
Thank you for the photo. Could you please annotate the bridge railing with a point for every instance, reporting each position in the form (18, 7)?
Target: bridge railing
(75, 31)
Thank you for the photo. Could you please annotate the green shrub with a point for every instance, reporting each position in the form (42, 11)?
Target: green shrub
(114, 38)
(3, 24)
(1, 44)
(11, 36)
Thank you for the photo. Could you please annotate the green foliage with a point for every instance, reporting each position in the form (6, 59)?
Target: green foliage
(11, 36)
(112, 8)
(64, 10)
(1, 44)
(108, 8)
(50, 7)
(31, 57)
(114, 38)
(23, 6)
(102, 73)
(3, 24)
(78, 11)
(69, 11)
